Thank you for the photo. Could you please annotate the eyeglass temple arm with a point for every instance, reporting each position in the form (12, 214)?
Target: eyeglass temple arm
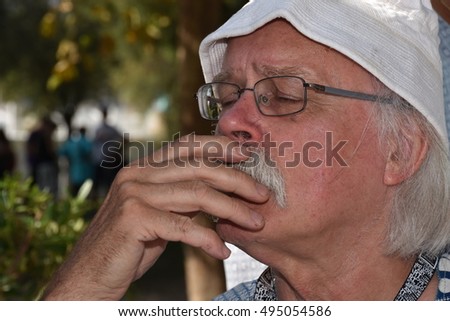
(348, 93)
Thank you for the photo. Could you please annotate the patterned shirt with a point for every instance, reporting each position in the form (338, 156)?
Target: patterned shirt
(263, 289)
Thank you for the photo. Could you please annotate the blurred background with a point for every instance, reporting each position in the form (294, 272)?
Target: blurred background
(74, 74)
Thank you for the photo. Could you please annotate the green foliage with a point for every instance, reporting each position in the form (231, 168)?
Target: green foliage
(25, 60)
(57, 54)
(36, 233)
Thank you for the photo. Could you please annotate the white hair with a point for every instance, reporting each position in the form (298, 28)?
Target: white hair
(263, 170)
(420, 215)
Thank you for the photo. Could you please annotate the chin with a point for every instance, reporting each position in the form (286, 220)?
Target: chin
(251, 242)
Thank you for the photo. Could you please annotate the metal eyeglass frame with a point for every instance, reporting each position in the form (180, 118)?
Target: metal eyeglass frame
(316, 87)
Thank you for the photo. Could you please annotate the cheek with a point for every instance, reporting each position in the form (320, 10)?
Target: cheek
(313, 150)
(325, 161)
(335, 189)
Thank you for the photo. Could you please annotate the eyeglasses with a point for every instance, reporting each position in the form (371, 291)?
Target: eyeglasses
(274, 96)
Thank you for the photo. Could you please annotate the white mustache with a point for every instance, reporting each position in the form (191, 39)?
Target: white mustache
(264, 171)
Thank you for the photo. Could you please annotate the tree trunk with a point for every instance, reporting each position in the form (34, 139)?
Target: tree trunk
(204, 275)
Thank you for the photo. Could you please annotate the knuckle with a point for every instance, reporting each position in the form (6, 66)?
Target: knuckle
(200, 190)
(130, 206)
(198, 173)
(123, 175)
(127, 189)
(235, 207)
(236, 180)
(123, 213)
(185, 224)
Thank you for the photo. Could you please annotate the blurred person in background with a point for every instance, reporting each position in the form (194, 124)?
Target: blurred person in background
(78, 152)
(42, 156)
(7, 155)
(107, 155)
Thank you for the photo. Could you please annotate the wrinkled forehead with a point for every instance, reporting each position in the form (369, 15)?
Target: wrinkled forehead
(386, 38)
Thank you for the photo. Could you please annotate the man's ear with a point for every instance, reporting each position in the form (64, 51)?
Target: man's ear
(401, 166)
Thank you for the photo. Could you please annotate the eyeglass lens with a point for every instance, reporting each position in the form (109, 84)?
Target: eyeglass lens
(274, 96)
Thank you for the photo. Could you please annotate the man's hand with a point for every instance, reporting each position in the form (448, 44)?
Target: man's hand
(147, 206)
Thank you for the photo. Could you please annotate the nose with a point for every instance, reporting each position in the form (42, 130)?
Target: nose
(242, 122)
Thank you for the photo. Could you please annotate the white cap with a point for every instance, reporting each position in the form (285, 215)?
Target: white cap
(397, 41)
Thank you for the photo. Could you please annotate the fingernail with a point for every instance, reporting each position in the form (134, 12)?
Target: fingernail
(226, 252)
(257, 218)
(262, 190)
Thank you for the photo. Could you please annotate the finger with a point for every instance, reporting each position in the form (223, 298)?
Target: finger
(174, 227)
(191, 196)
(209, 147)
(185, 197)
(219, 177)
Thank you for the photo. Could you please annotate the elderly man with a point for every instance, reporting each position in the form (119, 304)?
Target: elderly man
(329, 164)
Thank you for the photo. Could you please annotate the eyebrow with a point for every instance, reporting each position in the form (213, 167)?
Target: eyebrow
(222, 76)
(270, 71)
